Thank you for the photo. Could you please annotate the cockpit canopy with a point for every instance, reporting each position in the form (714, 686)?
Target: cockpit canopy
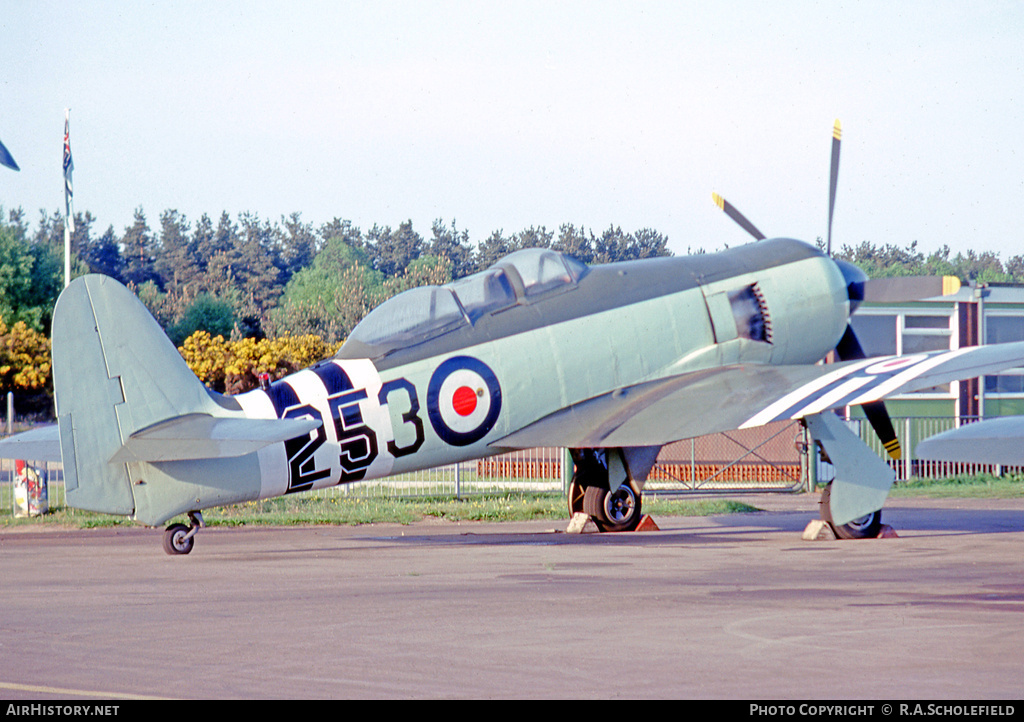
(423, 313)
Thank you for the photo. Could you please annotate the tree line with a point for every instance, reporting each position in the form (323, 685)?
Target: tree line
(890, 260)
(250, 277)
(214, 285)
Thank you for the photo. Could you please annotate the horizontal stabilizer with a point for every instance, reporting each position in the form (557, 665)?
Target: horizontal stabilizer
(994, 441)
(201, 436)
(39, 444)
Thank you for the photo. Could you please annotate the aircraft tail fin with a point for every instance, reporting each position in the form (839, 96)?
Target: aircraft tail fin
(117, 374)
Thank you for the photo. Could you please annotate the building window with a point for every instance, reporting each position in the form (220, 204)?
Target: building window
(1000, 327)
(876, 332)
(1003, 329)
(1006, 383)
(925, 333)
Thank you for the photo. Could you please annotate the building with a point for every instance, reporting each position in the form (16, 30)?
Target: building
(977, 314)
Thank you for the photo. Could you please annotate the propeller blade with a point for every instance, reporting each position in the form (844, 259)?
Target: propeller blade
(833, 180)
(909, 288)
(730, 210)
(849, 349)
(879, 419)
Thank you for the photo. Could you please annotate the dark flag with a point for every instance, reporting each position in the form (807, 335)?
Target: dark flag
(6, 159)
(69, 165)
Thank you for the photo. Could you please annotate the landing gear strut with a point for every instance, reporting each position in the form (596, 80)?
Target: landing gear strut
(178, 538)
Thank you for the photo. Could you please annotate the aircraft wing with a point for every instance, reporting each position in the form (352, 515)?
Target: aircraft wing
(994, 441)
(736, 397)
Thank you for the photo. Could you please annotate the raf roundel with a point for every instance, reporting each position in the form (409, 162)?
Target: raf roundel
(463, 400)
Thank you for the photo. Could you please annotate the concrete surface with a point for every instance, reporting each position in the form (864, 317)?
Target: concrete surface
(731, 606)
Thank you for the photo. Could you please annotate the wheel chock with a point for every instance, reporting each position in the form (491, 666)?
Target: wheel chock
(887, 532)
(818, 530)
(581, 523)
(647, 524)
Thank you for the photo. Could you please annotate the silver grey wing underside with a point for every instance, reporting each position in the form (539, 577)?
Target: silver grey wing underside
(658, 412)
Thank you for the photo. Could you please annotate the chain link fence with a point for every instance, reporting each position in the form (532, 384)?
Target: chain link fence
(767, 458)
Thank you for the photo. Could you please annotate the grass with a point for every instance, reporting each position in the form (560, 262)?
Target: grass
(967, 486)
(305, 510)
(496, 507)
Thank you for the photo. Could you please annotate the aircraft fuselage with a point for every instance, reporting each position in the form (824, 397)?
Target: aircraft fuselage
(455, 395)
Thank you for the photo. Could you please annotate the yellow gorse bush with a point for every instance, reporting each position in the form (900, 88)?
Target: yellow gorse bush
(24, 358)
(223, 365)
(235, 366)
(206, 355)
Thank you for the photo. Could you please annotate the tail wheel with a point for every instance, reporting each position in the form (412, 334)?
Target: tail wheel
(618, 510)
(864, 527)
(177, 539)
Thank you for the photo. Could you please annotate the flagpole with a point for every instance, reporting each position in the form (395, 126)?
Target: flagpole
(69, 219)
(67, 254)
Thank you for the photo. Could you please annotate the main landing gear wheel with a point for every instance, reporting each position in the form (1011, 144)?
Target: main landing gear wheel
(617, 510)
(864, 527)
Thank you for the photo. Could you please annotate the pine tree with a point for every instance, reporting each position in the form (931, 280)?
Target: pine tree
(175, 265)
(139, 253)
(453, 245)
(392, 251)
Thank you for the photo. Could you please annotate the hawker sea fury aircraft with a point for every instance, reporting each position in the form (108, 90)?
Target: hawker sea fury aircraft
(610, 361)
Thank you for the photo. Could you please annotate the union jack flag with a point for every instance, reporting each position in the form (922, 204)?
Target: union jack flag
(69, 165)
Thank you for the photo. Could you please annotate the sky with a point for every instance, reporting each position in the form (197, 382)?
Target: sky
(512, 114)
